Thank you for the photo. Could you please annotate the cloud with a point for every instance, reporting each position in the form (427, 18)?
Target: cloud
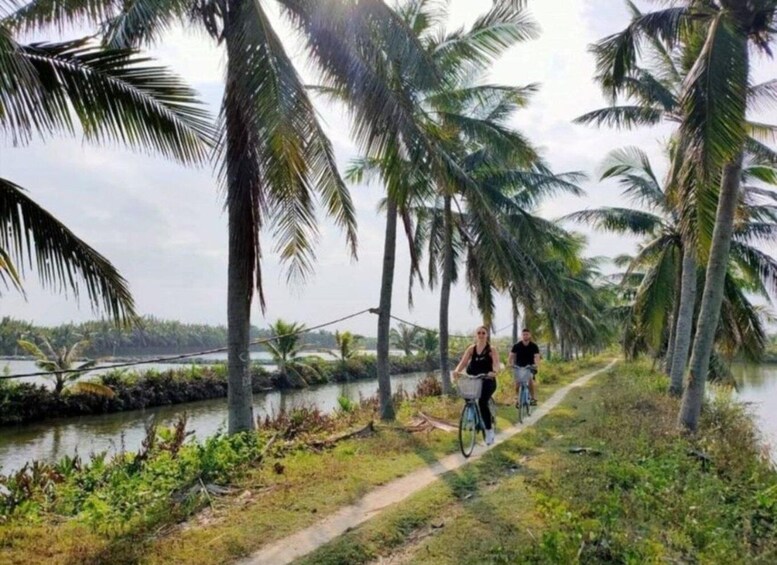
(163, 225)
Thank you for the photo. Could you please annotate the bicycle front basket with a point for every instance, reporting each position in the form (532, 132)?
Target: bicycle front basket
(469, 388)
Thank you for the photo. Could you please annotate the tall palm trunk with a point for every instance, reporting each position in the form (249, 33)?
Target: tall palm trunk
(684, 325)
(239, 291)
(384, 320)
(445, 294)
(670, 350)
(241, 260)
(712, 298)
(516, 314)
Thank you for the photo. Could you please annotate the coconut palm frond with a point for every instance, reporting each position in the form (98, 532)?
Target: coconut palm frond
(61, 259)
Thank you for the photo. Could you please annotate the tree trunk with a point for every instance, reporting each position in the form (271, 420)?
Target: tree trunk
(670, 349)
(384, 320)
(445, 295)
(684, 326)
(712, 298)
(59, 384)
(239, 293)
(240, 269)
(516, 315)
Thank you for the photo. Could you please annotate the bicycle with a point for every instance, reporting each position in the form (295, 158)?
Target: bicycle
(524, 401)
(471, 421)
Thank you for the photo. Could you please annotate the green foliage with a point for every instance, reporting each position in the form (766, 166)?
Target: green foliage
(347, 344)
(346, 405)
(130, 493)
(287, 342)
(429, 344)
(105, 95)
(60, 362)
(148, 336)
(405, 337)
(650, 498)
(25, 402)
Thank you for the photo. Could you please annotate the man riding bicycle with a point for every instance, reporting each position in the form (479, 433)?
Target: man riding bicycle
(525, 358)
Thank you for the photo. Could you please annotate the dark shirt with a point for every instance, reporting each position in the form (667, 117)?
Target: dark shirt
(524, 354)
(480, 363)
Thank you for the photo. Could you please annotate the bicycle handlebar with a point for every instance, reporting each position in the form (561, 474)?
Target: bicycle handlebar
(480, 376)
(532, 368)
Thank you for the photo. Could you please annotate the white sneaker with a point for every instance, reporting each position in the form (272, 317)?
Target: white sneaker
(489, 437)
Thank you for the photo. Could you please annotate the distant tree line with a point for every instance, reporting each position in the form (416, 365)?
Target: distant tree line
(150, 337)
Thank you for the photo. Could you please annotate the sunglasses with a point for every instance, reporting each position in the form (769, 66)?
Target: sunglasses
(481, 333)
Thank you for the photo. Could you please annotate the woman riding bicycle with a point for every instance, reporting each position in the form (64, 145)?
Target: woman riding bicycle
(481, 358)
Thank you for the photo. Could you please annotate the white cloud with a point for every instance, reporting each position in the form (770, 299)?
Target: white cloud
(164, 228)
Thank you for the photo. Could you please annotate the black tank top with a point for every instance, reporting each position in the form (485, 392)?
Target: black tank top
(480, 363)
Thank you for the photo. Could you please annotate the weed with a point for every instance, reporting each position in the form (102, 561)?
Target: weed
(428, 386)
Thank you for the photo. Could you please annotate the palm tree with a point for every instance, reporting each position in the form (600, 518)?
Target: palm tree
(428, 342)
(111, 95)
(713, 135)
(60, 362)
(273, 153)
(483, 216)
(404, 337)
(653, 94)
(286, 344)
(406, 176)
(658, 261)
(347, 345)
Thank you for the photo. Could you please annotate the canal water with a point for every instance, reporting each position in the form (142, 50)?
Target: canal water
(758, 389)
(52, 439)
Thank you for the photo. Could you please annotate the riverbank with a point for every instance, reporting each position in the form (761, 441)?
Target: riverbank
(605, 476)
(25, 402)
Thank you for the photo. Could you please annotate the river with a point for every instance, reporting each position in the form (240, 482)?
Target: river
(52, 439)
(758, 388)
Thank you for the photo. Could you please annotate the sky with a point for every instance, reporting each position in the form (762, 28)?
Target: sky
(164, 227)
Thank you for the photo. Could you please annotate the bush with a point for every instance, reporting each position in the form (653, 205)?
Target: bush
(428, 386)
(299, 420)
(346, 404)
(130, 492)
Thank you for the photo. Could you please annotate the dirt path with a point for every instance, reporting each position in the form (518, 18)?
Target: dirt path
(303, 542)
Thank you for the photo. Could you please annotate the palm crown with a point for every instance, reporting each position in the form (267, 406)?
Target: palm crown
(106, 95)
(658, 260)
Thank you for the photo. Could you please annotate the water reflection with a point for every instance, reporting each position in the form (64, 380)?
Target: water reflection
(52, 439)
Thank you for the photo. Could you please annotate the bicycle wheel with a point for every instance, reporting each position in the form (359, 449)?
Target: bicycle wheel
(525, 402)
(468, 429)
(492, 409)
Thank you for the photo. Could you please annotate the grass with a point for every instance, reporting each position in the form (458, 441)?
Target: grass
(294, 487)
(642, 494)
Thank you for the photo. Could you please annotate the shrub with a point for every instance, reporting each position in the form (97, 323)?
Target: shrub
(428, 386)
(346, 404)
(130, 492)
(299, 420)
